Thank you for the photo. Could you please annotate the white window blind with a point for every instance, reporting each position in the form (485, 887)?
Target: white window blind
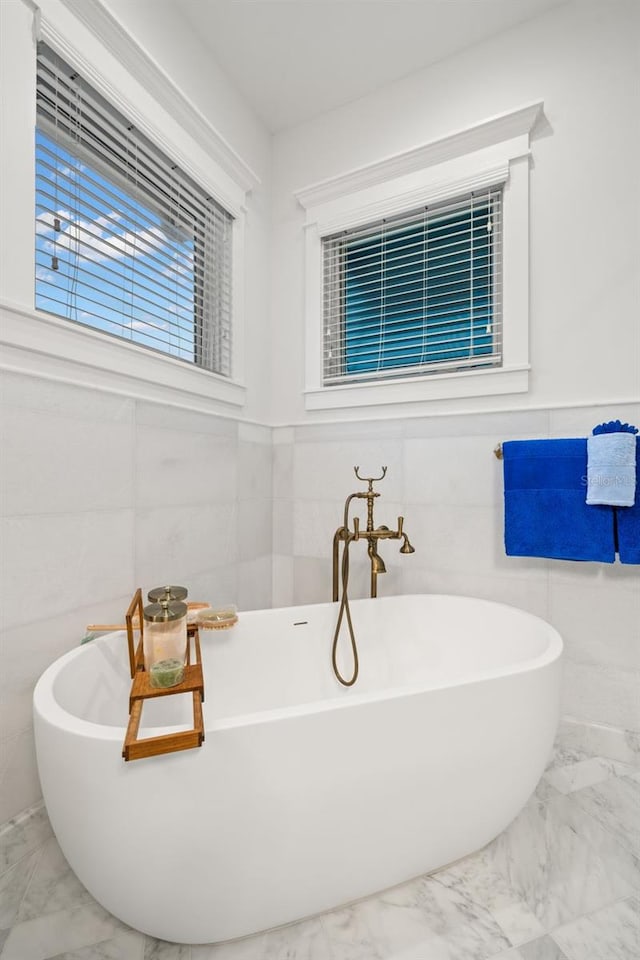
(126, 242)
(416, 294)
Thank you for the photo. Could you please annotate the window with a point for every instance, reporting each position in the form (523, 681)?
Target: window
(126, 242)
(415, 294)
(416, 285)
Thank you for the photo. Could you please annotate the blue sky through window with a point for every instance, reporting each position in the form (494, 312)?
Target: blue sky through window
(108, 260)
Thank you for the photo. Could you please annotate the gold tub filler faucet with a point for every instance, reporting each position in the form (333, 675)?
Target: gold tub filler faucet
(372, 535)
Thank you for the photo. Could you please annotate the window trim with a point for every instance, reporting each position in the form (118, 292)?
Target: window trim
(43, 345)
(493, 152)
(77, 130)
(38, 343)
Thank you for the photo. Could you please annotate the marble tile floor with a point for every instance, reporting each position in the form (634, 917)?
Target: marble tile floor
(561, 883)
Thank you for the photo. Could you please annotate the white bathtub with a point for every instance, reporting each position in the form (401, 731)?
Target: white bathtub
(305, 794)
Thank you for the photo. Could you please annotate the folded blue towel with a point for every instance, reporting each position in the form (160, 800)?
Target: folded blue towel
(629, 522)
(611, 469)
(545, 510)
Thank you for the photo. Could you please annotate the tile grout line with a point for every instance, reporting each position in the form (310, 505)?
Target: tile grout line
(23, 817)
(36, 864)
(604, 826)
(586, 916)
(20, 819)
(134, 487)
(66, 513)
(25, 856)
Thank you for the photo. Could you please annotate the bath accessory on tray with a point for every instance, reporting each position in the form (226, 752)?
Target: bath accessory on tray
(192, 613)
(135, 748)
(372, 535)
(222, 617)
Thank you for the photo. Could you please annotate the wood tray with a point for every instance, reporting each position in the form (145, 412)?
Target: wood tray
(134, 747)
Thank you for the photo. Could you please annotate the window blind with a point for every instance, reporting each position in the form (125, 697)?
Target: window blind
(415, 294)
(126, 242)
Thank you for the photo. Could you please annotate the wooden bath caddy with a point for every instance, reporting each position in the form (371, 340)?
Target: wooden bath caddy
(135, 748)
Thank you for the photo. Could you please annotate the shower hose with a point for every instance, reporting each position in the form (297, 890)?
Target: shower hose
(344, 609)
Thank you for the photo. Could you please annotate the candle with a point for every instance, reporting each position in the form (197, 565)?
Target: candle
(166, 673)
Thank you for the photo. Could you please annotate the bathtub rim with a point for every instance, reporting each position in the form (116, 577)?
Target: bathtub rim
(50, 711)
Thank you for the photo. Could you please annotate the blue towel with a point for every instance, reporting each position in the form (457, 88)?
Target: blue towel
(611, 469)
(545, 511)
(629, 522)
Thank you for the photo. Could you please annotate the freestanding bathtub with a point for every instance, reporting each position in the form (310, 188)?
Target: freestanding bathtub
(305, 794)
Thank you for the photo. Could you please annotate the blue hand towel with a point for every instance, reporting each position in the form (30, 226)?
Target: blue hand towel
(545, 510)
(629, 522)
(611, 469)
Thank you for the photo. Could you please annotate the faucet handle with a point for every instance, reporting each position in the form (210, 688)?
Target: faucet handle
(400, 522)
(371, 479)
(356, 528)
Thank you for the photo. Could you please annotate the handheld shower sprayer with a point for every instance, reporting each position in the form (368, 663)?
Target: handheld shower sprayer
(372, 535)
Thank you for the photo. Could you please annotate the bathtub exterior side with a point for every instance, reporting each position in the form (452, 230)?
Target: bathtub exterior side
(277, 820)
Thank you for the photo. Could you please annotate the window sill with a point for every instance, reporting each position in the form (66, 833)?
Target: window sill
(39, 344)
(445, 386)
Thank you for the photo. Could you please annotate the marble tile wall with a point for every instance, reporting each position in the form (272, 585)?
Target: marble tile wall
(255, 546)
(442, 476)
(101, 493)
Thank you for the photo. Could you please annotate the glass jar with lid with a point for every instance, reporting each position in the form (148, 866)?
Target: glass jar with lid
(170, 593)
(165, 637)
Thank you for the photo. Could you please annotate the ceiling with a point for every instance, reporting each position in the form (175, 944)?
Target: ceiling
(295, 59)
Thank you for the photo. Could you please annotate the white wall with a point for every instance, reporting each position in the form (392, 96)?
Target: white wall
(168, 39)
(103, 491)
(182, 55)
(445, 480)
(101, 494)
(96, 497)
(177, 128)
(581, 60)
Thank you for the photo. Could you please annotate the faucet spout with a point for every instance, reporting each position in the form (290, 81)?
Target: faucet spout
(377, 563)
(371, 533)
